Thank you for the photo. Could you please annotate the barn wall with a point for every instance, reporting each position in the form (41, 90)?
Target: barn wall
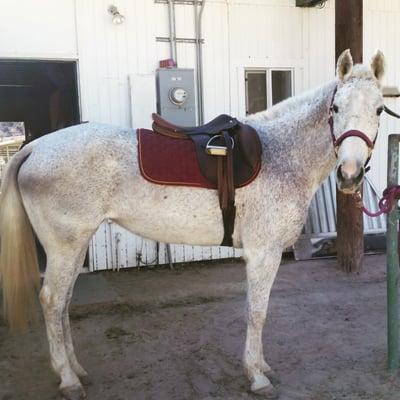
(381, 30)
(38, 29)
(117, 66)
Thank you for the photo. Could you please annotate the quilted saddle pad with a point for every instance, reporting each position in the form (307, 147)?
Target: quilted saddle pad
(169, 161)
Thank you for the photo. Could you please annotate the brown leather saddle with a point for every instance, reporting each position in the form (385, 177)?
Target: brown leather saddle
(229, 157)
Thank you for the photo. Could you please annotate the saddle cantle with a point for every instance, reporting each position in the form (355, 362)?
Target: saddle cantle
(223, 154)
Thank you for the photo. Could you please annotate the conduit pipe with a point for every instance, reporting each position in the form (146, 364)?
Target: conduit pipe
(199, 60)
(172, 31)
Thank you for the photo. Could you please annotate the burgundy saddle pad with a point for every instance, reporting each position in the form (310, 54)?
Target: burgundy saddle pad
(169, 161)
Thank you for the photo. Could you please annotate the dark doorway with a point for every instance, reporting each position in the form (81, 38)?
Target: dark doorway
(40, 95)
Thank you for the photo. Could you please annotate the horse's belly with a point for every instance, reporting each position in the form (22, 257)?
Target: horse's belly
(173, 214)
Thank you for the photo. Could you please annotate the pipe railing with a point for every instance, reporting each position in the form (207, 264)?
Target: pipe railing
(393, 258)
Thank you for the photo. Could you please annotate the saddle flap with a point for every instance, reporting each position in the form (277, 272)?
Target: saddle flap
(250, 146)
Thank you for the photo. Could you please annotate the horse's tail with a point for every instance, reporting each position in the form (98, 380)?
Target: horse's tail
(19, 270)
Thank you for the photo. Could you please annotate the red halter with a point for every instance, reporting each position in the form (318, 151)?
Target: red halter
(390, 194)
(352, 132)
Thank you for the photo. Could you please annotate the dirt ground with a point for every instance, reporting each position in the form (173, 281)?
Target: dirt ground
(174, 335)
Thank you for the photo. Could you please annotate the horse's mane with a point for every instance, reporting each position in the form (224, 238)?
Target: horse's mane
(294, 104)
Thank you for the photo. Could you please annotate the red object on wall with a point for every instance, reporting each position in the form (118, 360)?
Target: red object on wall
(168, 63)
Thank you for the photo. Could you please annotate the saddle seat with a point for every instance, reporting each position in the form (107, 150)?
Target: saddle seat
(221, 123)
(228, 155)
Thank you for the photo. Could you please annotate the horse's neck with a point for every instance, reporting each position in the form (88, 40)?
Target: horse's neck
(295, 135)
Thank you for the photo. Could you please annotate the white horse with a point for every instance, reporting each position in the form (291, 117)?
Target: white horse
(65, 184)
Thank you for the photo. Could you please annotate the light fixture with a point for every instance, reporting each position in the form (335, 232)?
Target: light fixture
(117, 18)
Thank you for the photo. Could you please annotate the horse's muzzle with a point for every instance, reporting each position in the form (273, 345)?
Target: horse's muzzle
(349, 177)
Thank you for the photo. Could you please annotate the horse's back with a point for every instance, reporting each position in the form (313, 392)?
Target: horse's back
(74, 143)
(79, 168)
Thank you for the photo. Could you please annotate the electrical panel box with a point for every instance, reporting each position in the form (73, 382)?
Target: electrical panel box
(176, 100)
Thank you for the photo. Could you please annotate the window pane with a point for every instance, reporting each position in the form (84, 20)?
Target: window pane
(256, 91)
(281, 85)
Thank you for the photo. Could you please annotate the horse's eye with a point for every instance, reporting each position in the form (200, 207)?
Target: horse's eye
(335, 108)
(379, 110)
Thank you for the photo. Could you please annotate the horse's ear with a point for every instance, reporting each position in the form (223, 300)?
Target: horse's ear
(344, 65)
(378, 64)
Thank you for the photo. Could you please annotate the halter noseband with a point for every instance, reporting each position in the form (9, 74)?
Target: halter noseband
(350, 133)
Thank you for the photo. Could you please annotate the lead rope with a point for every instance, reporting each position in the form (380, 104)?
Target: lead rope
(386, 204)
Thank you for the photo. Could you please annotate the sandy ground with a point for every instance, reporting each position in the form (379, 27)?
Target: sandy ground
(173, 335)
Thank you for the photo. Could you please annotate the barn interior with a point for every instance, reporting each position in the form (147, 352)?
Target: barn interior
(42, 94)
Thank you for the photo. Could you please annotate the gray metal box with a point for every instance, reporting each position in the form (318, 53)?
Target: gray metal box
(176, 100)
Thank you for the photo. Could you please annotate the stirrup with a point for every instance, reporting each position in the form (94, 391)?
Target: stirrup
(215, 150)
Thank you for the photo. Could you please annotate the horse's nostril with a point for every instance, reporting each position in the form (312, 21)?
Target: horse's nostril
(340, 174)
(360, 176)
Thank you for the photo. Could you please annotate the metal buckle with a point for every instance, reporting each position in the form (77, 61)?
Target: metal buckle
(358, 199)
(215, 150)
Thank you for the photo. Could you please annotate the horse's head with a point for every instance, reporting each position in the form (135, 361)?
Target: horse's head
(355, 111)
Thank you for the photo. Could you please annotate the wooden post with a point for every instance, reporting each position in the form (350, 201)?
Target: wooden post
(350, 227)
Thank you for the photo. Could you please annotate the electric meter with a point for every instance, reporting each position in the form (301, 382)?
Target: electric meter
(176, 99)
(178, 95)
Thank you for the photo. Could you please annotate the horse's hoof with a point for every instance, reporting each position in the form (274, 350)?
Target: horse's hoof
(86, 380)
(73, 393)
(272, 376)
(267, 392)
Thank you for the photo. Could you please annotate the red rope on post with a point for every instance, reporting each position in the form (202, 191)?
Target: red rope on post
(386, 203)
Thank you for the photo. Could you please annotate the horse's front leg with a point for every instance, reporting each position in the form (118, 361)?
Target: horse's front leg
(261, 268)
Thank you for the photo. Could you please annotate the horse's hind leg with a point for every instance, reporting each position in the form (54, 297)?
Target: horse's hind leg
(261, 268)
(78, 369)
(63, 265)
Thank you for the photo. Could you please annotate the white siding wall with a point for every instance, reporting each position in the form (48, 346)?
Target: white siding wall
(382, 30)
(38, 29)
(117, 66)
